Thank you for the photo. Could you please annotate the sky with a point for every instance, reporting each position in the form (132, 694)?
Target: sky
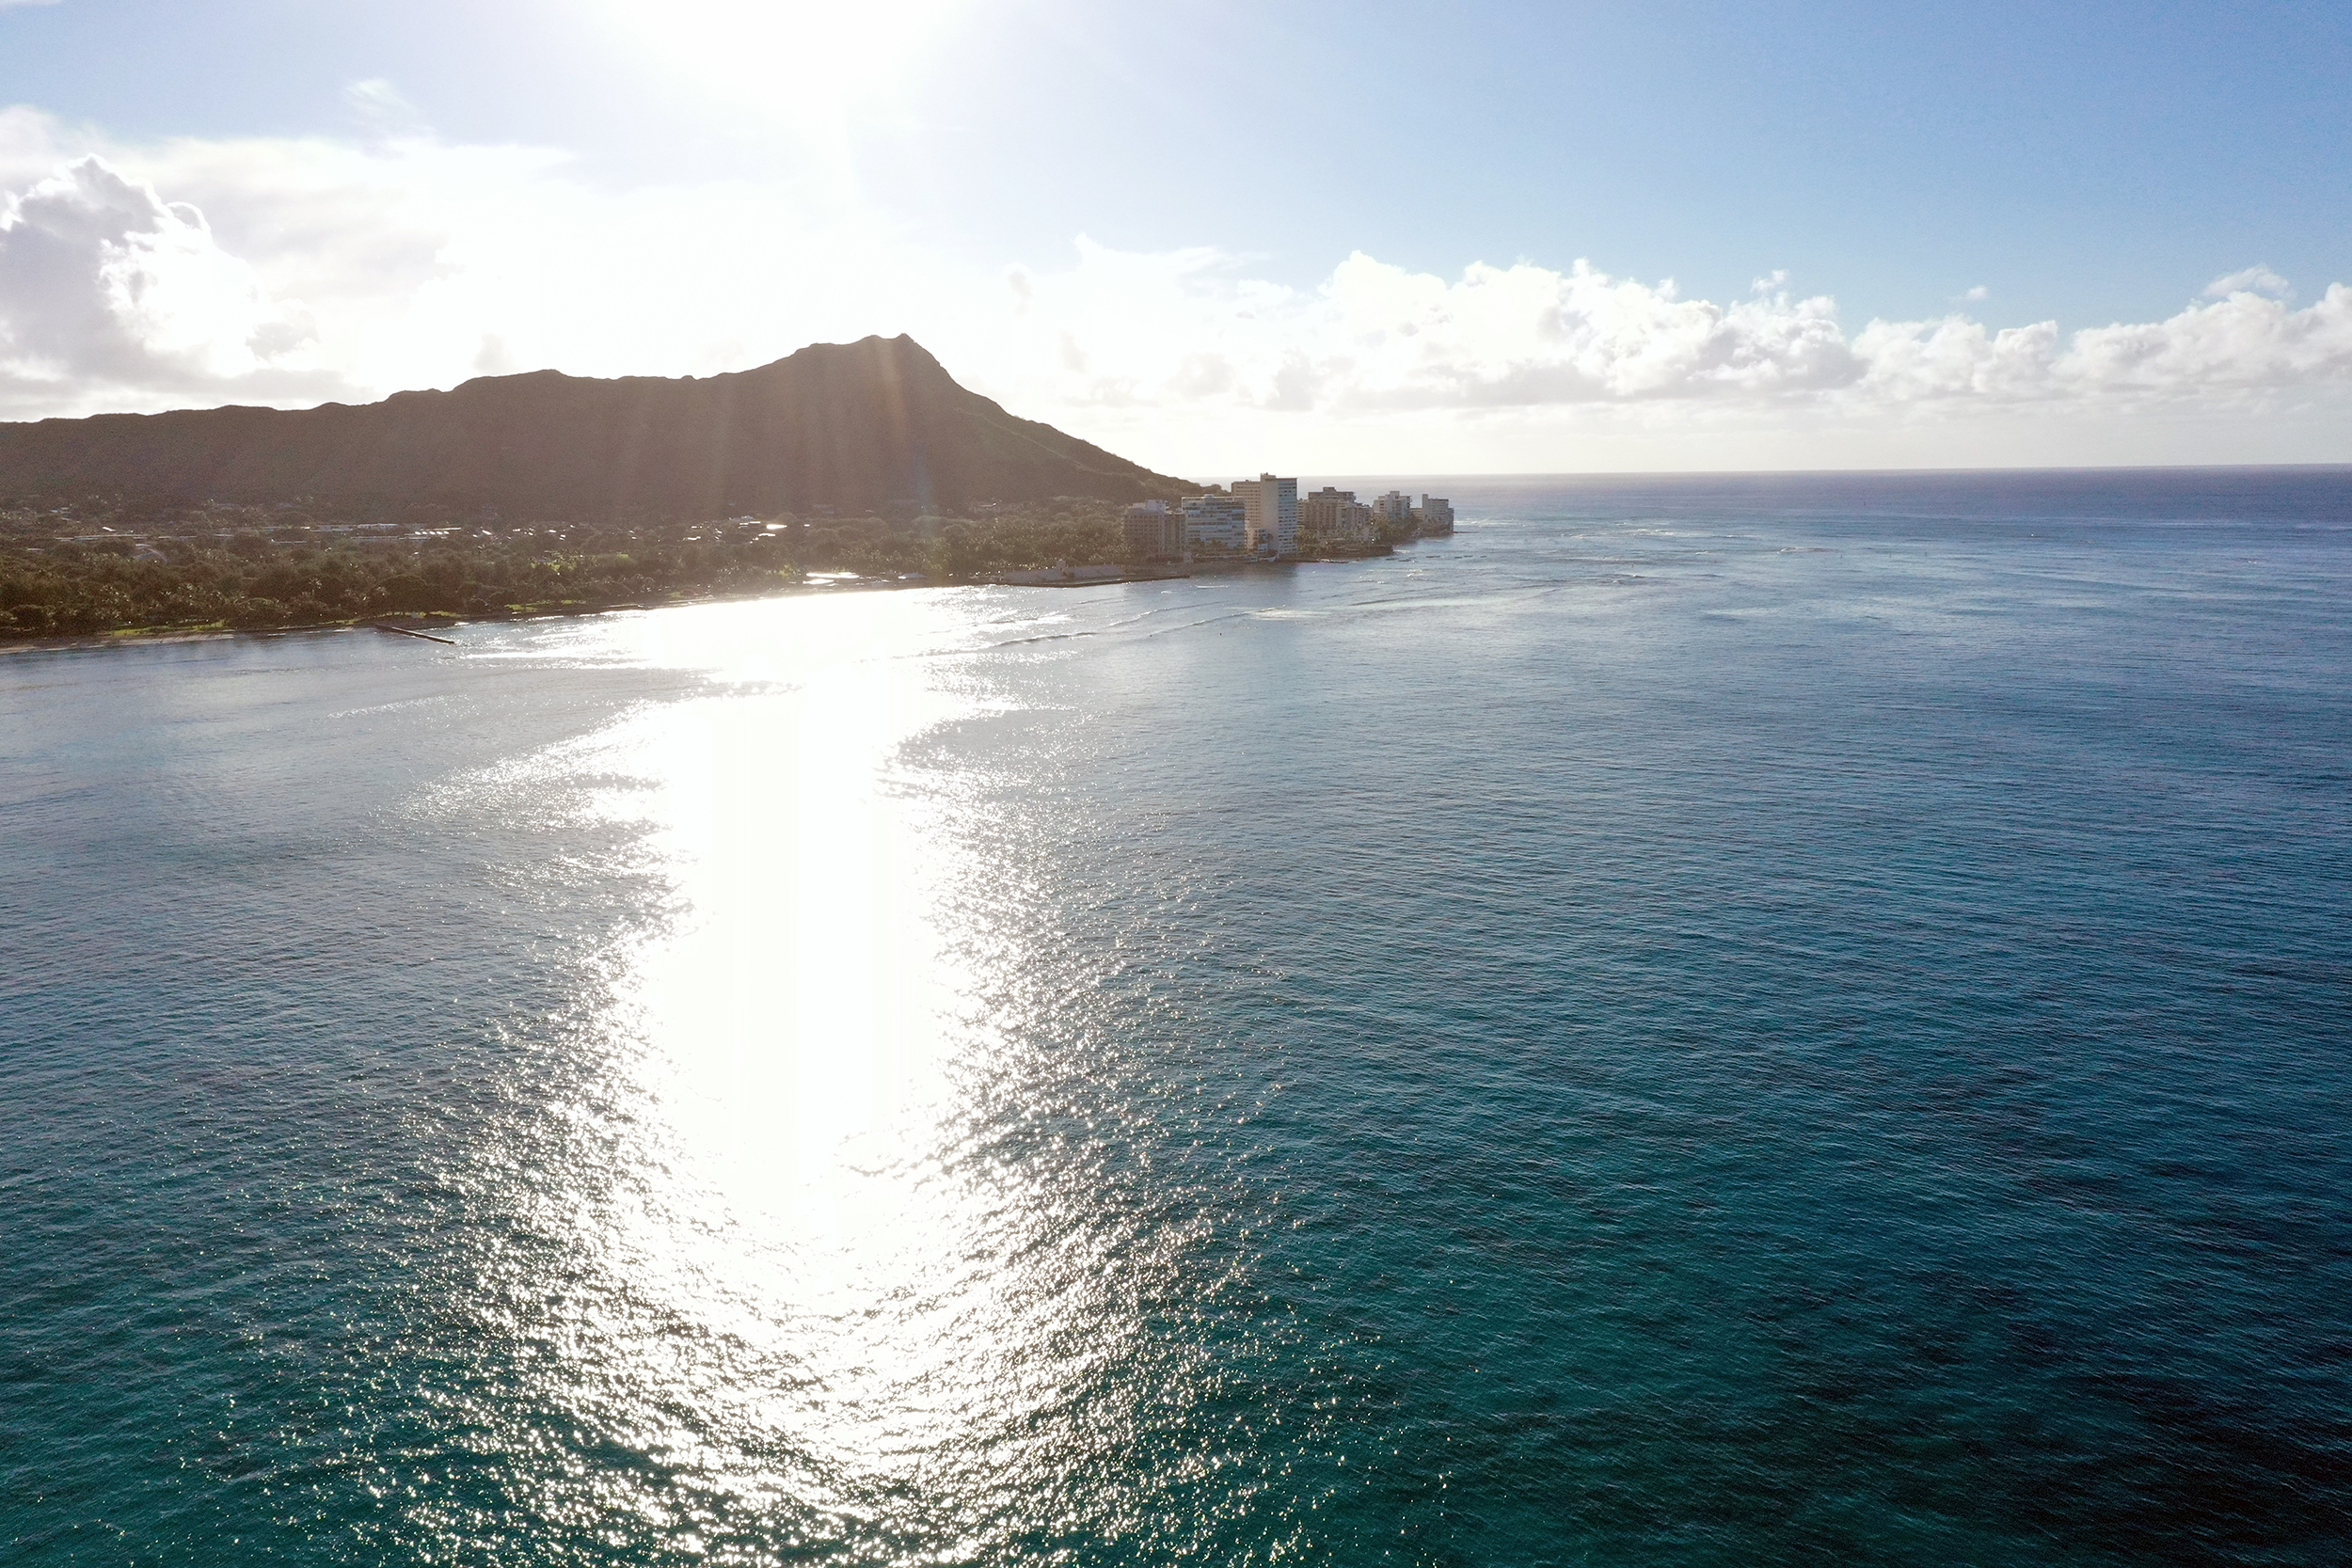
(1217, 238)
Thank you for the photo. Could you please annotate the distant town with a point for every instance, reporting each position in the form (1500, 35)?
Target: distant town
(1266, 518)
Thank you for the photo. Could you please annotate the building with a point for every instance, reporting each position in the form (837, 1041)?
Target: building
(1336, 516)
(1394, 510)
(1434, 515)
(1216, 523)
(1154, 529)
(1269, 513)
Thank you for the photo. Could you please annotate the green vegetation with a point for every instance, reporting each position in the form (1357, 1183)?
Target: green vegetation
(100, 565)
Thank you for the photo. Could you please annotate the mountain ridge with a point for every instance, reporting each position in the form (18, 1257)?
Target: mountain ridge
(845, 425)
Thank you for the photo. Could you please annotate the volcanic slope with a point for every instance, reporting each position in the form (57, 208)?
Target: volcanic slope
(848, 425)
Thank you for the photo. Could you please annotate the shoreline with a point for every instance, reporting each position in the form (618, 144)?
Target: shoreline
(414, 623)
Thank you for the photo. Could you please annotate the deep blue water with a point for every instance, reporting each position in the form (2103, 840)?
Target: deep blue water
(1698, 1022)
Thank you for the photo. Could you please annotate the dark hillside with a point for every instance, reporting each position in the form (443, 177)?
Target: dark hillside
(852, 426)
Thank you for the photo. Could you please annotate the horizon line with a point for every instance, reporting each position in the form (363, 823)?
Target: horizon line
(1822, 473)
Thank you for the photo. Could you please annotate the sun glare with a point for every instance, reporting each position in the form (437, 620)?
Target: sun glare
(785, 1249)
(800, 61)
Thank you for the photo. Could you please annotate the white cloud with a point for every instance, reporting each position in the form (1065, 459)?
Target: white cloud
(2242, 344)
(1187, 325)
(108, 289)
(2242, 341)
(1378, 336)
(2256, 280)
(286, 270)
(408, 261)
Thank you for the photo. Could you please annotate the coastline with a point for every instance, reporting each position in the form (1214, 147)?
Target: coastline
(417, 623)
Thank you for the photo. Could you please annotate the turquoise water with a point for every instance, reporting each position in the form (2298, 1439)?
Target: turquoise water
(1731, 1023)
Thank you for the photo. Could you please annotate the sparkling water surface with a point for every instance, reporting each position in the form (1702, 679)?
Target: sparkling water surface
(1698, 1022)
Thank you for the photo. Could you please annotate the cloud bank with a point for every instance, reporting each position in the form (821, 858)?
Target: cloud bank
(1378, 337)
(290, 271)
(107, 291)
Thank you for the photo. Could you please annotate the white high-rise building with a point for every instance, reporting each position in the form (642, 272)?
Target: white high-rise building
(1434, 515)
(1270, 513)
(1216, 523)
(1395, 507)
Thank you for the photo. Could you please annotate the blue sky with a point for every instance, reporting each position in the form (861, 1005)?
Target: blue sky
(2012, 166)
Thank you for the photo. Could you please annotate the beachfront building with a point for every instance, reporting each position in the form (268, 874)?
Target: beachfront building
(1394, 510)
(1154, 529)
(1269, 513)
(1434, 515)
(1214, 523)
(1335, 515)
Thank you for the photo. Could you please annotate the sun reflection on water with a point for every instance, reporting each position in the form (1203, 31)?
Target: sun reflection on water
(796, 1281)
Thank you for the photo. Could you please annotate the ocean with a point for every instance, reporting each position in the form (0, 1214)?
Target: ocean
(1700, 1020)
